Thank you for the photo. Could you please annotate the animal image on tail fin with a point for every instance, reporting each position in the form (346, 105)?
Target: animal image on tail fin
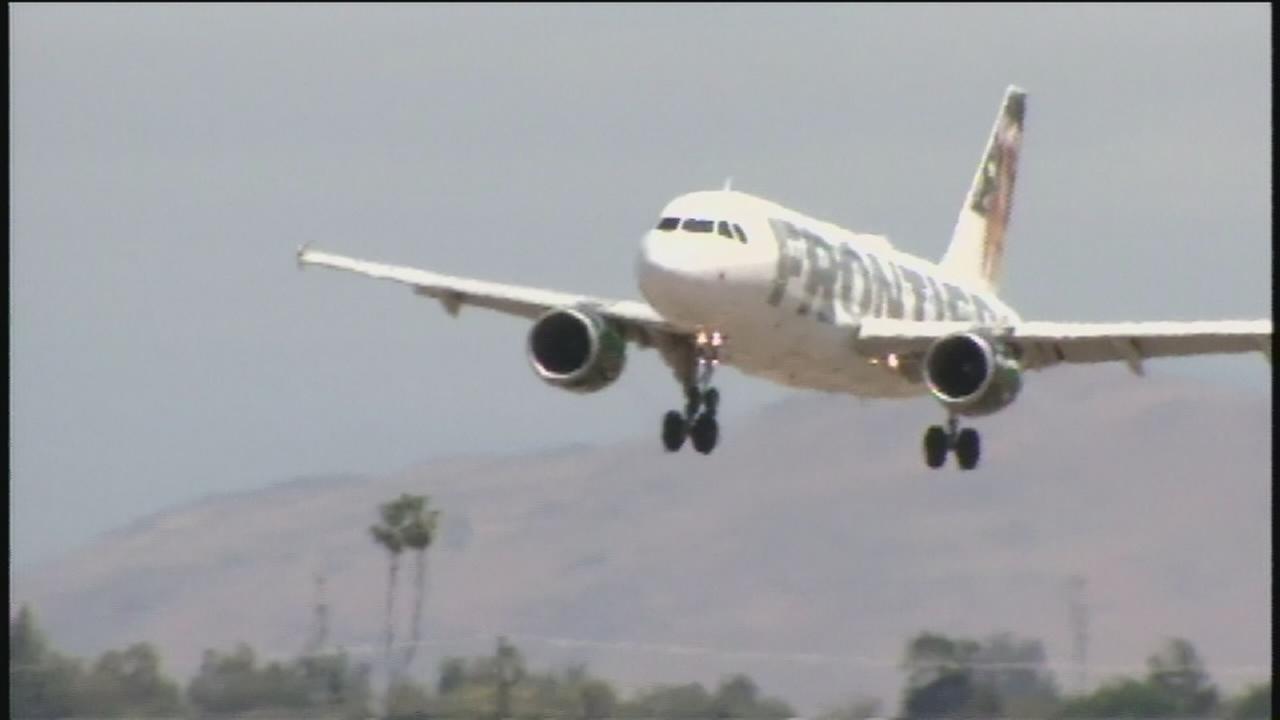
(976, 251)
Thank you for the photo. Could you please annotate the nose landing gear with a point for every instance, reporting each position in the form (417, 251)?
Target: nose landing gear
(938, 441)
(698, 421)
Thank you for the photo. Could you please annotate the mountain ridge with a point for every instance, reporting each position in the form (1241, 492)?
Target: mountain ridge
(814, 530)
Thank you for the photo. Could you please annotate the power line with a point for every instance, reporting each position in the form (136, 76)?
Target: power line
(811, 658)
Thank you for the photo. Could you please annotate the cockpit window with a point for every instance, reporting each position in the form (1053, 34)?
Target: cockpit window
(721, 227)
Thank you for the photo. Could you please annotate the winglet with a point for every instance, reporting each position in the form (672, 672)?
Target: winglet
(302, 251)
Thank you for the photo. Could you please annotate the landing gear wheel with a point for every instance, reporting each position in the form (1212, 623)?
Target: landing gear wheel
(968, 448)
(704, 433)
(674, 430)
(935, 446)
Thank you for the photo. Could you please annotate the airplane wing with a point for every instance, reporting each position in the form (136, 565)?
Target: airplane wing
(641, 323)
(1042, 344)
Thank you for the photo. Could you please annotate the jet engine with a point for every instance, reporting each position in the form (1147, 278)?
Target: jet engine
(576, 350)
(972, 374)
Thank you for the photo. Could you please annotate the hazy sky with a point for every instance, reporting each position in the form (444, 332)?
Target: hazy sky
(167, 160)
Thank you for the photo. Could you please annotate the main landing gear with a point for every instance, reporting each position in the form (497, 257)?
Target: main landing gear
(698, 422)
(965, 442)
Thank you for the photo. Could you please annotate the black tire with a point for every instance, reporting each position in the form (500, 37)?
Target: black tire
(935, 446)
(968, 448)
(674, 430)
(704, 433)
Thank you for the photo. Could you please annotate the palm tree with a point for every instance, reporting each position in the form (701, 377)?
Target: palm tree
(389, 533)
(419, 532)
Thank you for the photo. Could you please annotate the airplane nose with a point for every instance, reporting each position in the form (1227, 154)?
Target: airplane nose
(652, 251)
(658, 265)
(675, 273)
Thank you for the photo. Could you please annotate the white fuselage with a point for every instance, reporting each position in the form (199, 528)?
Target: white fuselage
(788, 300)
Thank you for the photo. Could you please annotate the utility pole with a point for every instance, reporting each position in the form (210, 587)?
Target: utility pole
(319, 621)
(507, 676)
(1078, 616)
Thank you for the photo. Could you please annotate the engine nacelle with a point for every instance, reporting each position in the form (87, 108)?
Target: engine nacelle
(972, 374)
(576, 350)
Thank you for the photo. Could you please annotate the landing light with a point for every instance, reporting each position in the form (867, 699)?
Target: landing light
(893, 361)
(715, 339)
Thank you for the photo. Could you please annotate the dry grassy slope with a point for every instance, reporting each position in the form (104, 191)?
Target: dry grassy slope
(814, 529)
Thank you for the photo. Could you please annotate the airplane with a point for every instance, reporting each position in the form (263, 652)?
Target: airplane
(736, 279)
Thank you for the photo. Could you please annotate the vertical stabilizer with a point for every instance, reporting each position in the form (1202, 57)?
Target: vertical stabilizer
(976, 251)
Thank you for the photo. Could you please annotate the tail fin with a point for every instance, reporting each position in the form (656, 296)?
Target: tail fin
(977, 245)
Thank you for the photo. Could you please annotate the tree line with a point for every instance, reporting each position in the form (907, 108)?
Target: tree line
(1002, 676)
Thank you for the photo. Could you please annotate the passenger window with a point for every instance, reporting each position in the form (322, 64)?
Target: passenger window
(700, 226)
(723, 229)
(669, 223)
(737, 230)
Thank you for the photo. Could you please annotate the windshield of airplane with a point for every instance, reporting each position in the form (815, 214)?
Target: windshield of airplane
(729, 230)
